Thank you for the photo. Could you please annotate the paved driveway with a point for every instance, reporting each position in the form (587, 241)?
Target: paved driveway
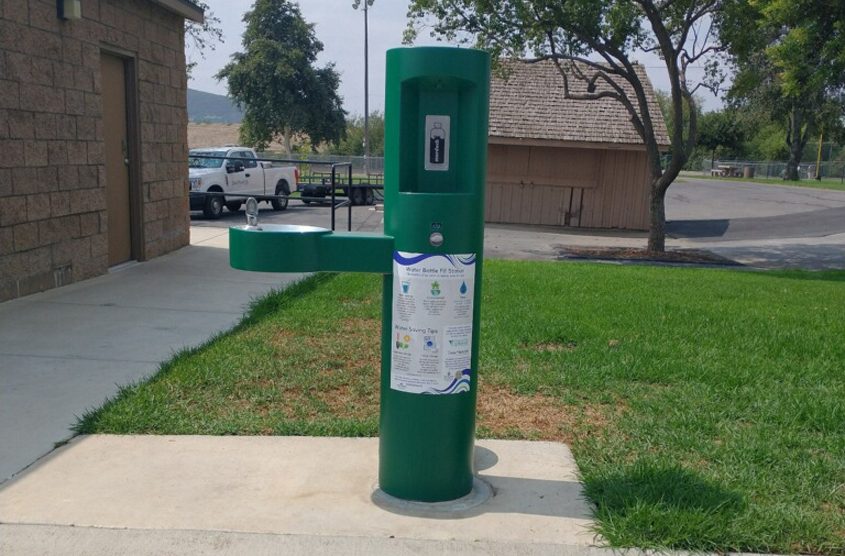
(762, 226)
(765, 226)
(717, 210)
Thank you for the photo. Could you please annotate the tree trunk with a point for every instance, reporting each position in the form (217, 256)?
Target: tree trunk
(657, 214)
(796, 139)
(795, 151)
(286, 137)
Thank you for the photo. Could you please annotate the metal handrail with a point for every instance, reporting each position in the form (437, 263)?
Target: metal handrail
(348, 201)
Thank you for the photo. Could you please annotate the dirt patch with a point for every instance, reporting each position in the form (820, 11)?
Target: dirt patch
(217, 135)
(350, 402)
(282, 336)
(552, 347)
(683, 256)
(212, 135)
(365, 328)
(353, 345)
(343, 366)
(351, 390)
(503, 412)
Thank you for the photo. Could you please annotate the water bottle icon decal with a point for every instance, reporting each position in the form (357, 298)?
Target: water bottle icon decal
(437, 144)
(436, 141)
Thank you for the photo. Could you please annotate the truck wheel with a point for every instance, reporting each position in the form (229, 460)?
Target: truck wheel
(370, 197)
(357, 196)
(213, 208)
(234, 206)
(282, 188)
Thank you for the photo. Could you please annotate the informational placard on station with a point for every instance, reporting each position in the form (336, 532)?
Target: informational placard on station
(432, 322)
(437, 143)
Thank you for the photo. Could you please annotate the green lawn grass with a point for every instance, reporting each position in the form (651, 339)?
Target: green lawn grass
(705, 408)
(827, 183)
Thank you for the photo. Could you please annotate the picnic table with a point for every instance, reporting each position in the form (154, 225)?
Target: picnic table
(726, 171)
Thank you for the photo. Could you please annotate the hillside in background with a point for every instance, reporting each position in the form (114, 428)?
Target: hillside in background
(218, 135)
(210, 108)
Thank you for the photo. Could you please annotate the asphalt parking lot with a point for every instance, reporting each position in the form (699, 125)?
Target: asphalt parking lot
(364, 218)
(758, 225)
(724, 211)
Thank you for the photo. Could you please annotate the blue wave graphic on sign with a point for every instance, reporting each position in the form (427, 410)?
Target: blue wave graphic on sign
(457, 385)
(453, 260)
(407, 261)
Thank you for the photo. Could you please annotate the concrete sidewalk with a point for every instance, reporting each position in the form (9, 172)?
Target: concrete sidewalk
(151, 495)
(67, 350)
(316, 492)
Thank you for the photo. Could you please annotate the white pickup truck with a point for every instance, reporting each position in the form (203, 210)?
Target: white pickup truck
(238, 173)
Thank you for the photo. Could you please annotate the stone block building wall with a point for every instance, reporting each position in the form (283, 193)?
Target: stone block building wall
(53, 219)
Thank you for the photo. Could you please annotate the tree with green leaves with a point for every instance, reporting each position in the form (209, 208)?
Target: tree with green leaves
(790, 59)
(276, 83)
(353, 143)
(720, 132)
(603, 36)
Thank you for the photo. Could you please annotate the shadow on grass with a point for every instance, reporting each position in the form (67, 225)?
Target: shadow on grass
(820, 275)
(662, 506)
(259, 308)
(275, 300)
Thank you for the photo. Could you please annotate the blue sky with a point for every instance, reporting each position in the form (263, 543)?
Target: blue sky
(341, 29)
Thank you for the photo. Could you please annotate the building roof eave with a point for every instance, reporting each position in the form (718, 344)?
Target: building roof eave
(185, 8)
(536, 142)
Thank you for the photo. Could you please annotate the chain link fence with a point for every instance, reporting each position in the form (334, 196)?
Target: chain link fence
(771, 169)
(320, 163)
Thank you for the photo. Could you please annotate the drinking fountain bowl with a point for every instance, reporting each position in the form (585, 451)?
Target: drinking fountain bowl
(295, 248)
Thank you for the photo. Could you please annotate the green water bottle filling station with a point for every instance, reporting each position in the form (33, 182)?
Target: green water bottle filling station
(430, 254)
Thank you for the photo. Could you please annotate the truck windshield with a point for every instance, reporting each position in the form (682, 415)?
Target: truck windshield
(194, 160)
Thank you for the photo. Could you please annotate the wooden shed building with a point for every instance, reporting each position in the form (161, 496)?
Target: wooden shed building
(562, 162)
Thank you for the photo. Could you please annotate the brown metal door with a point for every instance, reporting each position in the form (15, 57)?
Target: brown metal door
(116, 153)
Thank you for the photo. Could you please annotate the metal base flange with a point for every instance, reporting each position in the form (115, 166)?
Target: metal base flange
(480, 493)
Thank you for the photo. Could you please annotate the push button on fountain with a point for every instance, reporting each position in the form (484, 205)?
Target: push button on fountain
(436, 239)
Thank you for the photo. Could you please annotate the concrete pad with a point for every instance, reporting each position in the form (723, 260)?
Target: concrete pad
(288, 486)
(26, 540)
(67, 350)
(519, 242)
(825, 253)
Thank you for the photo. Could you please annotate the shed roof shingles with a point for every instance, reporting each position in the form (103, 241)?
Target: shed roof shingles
(530, 104)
